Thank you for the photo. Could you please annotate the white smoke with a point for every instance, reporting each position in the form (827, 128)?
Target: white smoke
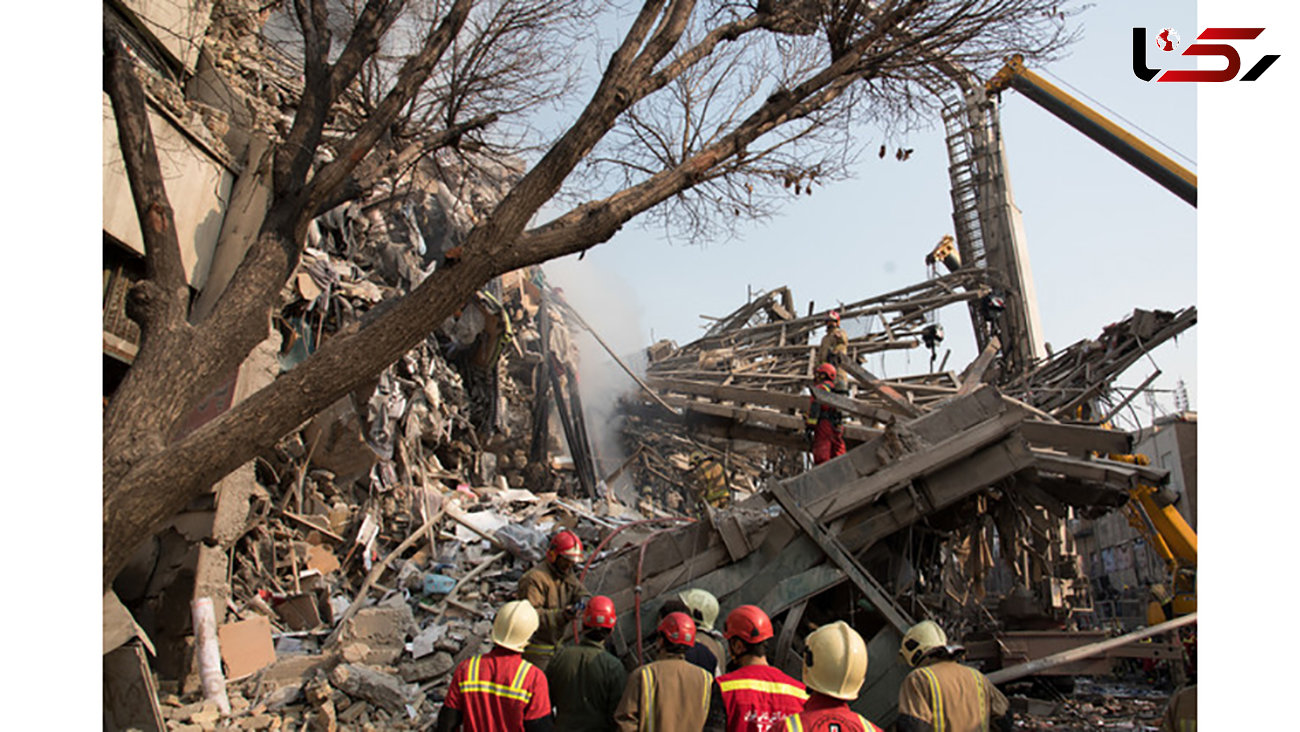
(607, 303)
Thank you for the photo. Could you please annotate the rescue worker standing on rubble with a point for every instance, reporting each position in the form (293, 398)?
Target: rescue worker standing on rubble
(755, 696)
(834, 348)
(942, 695)
(824, 426)
(498, 690)
(834, 667)
(668, 694)
(710, 478)
(586, 680)
(554, 590)
(704, 611)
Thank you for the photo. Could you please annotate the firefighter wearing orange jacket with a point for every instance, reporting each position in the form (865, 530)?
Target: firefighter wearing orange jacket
(824, 425)
(755, 697)
(499, 691)
(834, 667)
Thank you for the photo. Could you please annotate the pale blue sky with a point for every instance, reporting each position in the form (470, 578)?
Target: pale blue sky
(1102, 237)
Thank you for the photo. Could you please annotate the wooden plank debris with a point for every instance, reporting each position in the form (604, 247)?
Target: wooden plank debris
(867, 584)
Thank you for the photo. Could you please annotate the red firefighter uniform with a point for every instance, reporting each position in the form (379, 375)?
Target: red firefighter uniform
(826, 424)
(498, 691)
(758, 697)
(825, 714)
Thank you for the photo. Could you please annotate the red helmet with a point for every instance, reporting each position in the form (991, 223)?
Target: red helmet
(599, 613)
(826, 371)
(565, 544)
(833, 316)
(748, 623)
(678, 628)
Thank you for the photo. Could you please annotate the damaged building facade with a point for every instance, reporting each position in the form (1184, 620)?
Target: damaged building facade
(350, 567)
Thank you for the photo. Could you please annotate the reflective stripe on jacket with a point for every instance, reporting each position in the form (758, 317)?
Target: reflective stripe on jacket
(668, 695)
(822, 711)
(951, 697)
(498, 690)
(757, 697)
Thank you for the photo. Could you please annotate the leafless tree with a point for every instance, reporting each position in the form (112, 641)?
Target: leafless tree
(706, 106)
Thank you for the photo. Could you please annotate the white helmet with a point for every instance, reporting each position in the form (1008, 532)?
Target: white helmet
(703, 605)
(919, 640)
(515, 623)
(835, 661)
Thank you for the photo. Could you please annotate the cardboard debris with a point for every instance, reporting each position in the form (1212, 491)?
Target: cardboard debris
(246, 647)
(322, 560)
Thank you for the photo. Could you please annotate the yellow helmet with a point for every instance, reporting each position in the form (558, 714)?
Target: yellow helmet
(835, 661)
(919, 640)
(515, 623)
(703, 605)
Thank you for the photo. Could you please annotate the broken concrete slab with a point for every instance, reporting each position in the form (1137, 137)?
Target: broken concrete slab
(376, 687)
(426, 668)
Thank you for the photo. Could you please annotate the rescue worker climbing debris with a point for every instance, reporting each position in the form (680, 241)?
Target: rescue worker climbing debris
(834, 347)
(834, 667)
(668, 694)
(710, 480)
(698, 653)
(586, 680)
(704, 611)
(755, 697)
(824, 426)
(942, 695)
(499, 690)
(554, 590)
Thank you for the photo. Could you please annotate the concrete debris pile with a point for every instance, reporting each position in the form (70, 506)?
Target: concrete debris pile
(1090, 704)
(355, 563)
(953, 501)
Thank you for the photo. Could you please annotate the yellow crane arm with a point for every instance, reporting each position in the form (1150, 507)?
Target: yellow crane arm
(1155, 164)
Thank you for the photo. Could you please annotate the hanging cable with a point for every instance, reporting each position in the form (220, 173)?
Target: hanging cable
(1115, 114)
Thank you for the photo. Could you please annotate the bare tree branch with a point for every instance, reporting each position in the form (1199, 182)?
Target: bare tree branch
(414, 73)
(718, 124)
(164, 271)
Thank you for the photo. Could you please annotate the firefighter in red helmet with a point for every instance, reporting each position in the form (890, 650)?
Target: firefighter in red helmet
(824, 425)
(669, 694)
(754, 697)
(553, 588)
(586, 680)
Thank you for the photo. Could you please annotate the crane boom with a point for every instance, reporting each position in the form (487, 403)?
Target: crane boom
(1156, 165)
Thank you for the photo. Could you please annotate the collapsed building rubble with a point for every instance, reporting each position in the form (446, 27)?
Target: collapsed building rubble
(903, 526)
(382, 536)
(352, 566)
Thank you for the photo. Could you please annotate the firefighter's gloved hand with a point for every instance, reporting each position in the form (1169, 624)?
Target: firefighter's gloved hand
(809, 433)
(575, 609)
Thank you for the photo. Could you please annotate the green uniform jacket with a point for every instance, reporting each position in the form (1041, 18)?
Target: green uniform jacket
(586, 682)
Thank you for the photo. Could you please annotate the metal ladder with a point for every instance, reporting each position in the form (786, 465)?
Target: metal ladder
(965, 168)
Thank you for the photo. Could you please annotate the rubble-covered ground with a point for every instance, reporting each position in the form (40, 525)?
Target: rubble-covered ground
(1130, 704)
